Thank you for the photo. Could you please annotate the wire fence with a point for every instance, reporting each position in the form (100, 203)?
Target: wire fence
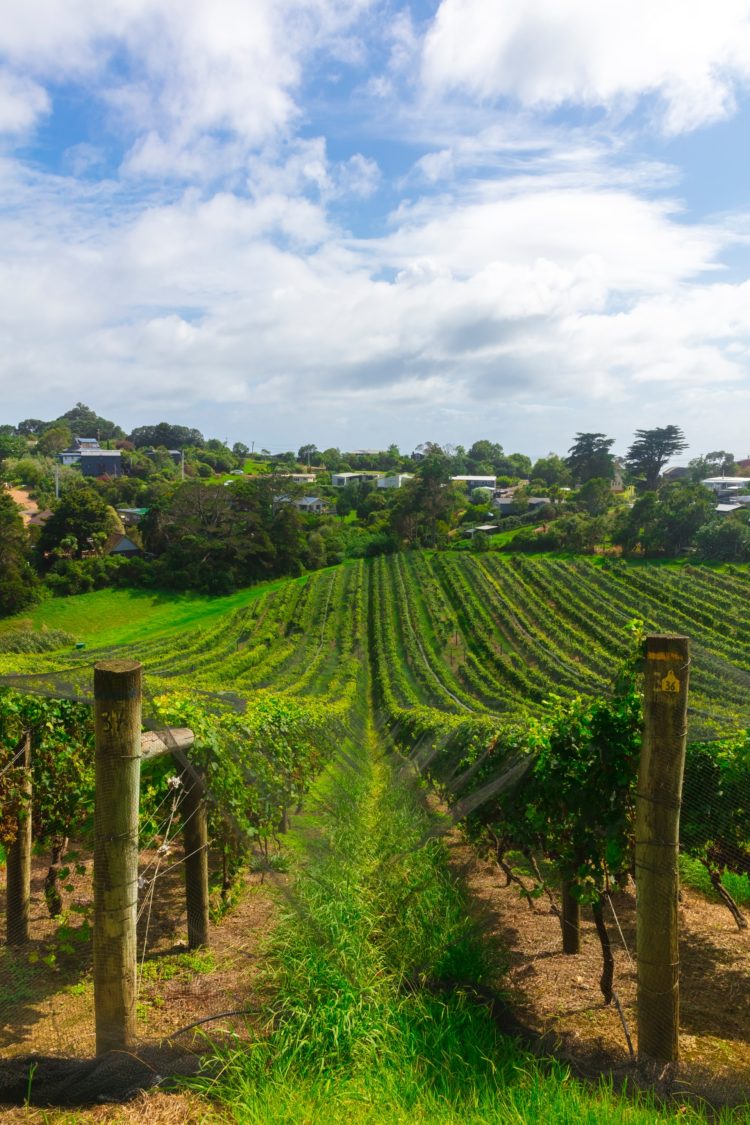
(110, 974)
(48, 1006)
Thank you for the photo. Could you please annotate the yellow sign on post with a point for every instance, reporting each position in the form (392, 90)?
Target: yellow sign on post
(670, 683)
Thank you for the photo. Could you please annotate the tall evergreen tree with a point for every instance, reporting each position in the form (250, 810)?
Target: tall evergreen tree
(650, 452)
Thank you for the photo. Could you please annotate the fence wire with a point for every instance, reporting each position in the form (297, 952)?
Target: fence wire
(46, 1001)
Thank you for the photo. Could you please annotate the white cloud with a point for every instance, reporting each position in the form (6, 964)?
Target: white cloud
(185, 69)
(499, 296)
(22, 102)
(690, 54)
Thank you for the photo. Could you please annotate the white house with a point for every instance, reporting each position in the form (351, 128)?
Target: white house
(341, 480)
(727, 486)
(395, 481)
(473, 482)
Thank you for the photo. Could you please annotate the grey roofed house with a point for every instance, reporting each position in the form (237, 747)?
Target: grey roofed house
(94, 462)
(101, 462)
(118, 544)
(311, 504)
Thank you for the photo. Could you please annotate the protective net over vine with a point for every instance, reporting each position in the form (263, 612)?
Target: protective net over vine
(497, 681)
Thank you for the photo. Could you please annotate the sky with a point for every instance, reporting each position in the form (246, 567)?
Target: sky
(357, 222)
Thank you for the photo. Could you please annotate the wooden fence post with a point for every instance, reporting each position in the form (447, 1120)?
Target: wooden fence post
(19, 859)
(570, 920)
(195, 840)
(657, 826)
(117, 719)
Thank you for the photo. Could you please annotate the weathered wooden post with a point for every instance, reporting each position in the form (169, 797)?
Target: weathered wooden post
(570, 920)
(195, 839)
(117, 719)
(19, 857)
(656, 845)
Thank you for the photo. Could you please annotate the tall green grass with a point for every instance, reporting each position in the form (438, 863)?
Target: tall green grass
(379, 975)
(693, 874)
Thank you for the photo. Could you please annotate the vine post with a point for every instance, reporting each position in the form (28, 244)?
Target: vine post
(195, 839)
(19, 857)
(657, 825)
(571, 919)
(117, 724)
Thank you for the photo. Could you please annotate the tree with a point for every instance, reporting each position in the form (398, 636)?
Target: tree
(718, 463)
(54, 439)
(485, 451)
(81, 514)
(552, 470)
(31, 427)
(595, 496)
(11, 446)
(650, 452)
(667, 523)
(424, 508)
(239, 449)
(589, 456)
(307, 453)
(18, 582)
(166, 434)
(724, 540)
(84, 422)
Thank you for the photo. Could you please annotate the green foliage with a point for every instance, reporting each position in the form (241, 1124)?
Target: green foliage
(256, 766)
(62, 764)
(18, 584)
(589, 457)
(724, 540)
(78, 524)
(381, 983)
(651, 450)
(30, 640)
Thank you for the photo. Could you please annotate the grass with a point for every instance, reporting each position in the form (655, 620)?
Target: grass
(112, 617)
(378, 971)
(694, 874)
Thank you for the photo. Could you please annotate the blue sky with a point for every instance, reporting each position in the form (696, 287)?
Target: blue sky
(361, 221)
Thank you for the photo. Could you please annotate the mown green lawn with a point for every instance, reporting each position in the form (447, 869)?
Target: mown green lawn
(110, 617)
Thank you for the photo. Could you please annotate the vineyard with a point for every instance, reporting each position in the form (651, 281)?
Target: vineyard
(512, 683)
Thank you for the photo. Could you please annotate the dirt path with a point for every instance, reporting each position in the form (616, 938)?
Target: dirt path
(28, 506)
(557, 997)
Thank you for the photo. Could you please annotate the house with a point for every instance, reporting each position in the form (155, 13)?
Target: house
(726, 488)
(298, 478)
(677, 472)
(487, 528)
(118, 544)
(101, 462)
(394, 481)
(80, 444)
(341, 480)
(131, 515)
(311, 505)
(91, 460)
(473, 482)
